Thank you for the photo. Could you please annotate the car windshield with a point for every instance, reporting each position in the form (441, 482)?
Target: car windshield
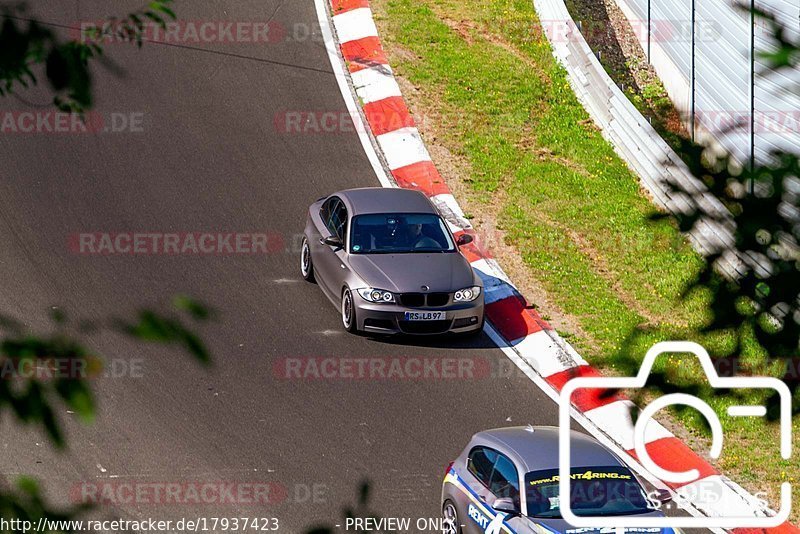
(391, 233)
(596, 491)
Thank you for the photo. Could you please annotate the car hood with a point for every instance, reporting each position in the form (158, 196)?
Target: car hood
(561, 526)
(406, 273)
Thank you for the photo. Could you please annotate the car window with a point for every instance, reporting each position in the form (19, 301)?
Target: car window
(480, 464)
(399, 233)
(331, 215)
(505, 480)
(339, 220)
(595, 491)
(325, 210)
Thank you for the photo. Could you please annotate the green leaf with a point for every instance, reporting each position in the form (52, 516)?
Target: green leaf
(195, 309)
(155, 18)
(159, 6)
(77, 396)
(28, 485)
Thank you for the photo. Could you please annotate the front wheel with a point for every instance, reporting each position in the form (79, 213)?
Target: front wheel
(450, 514)
(306, 267)
(349, 312)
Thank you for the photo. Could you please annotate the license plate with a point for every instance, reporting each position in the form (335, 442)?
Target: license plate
(425, 316)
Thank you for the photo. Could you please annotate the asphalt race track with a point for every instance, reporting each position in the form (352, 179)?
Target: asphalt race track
(208, 158)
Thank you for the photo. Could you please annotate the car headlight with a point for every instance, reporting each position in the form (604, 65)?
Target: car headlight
(468, 294)
(376, 295)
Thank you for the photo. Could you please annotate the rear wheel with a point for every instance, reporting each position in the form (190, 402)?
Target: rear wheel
(306, 267)
(451, 523)
(349, 312)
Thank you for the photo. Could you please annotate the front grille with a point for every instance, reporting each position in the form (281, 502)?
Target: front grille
(412, 299)
(438, 299)
(418, 300)
(424, 327)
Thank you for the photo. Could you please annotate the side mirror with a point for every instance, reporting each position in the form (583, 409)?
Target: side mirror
(663, 496)
(332, 241)
(464, 239)
(505, 504)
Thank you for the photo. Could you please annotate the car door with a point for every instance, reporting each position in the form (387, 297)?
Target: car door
(475, 516)
(505, 483)
(492, 475)
(318, 248)
(330, 259)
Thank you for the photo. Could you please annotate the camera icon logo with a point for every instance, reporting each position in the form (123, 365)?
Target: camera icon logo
(676, 478)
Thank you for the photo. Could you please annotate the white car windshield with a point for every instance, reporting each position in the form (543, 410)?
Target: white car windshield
(596, 491)
(393, 233)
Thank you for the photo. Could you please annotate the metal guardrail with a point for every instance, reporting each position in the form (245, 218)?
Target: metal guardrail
(631, 135)
(707, 54)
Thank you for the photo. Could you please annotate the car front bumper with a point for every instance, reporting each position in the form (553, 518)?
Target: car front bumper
(390, 318)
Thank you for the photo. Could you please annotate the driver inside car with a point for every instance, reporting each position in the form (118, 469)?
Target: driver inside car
(419, 240)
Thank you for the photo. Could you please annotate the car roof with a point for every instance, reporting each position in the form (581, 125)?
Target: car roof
(385, 200)
(534, 448)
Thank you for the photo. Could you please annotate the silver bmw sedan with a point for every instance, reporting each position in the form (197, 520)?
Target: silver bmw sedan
(388, 261)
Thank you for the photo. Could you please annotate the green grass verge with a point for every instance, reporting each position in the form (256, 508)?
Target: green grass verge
(572, 207)
(568, 204)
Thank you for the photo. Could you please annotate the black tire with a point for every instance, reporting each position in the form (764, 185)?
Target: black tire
(349, 320)
(450, 514)
(306, 266)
